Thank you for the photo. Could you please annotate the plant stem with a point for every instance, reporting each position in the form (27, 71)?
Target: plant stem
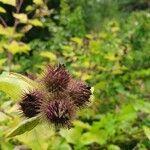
(9, 57)
(18, 7)
(3, 22)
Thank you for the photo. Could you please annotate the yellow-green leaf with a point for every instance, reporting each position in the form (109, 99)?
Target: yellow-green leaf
(25, 126)
(2, 10)
(38, 2)
(81, 124)
(21, 17)
(49, 55)
(9, 2)
(6, 31)
(147, 131)
(14, 84)
(77, 40)
(29, 8)
(2, 61)
(36, 22)
(17, 47)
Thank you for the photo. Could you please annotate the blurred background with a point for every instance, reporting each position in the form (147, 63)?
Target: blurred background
(103, 42)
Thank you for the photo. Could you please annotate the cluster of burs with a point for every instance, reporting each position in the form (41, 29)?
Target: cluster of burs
(58, 99)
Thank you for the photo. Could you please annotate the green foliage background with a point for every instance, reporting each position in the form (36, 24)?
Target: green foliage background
(103, 42)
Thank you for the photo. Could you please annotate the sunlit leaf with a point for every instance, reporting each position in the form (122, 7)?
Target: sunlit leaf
(113, 147)
(17, 47)
(21, 17)
(77, 40)
(2, 10)
(2, 61)
(6, 31)
(127, 113)
(26, 28)
(81, 124)
(38, 2)
(142, 106)
(147, 131)
(51, 56)
(111, 57)
(9, 2)
(29, 8)
(36, 22)
(72, 136)
(14, 84)
(25, 126)
(99, 137)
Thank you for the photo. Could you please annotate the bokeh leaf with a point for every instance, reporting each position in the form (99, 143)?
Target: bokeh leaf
(2, 10)
(21, 17)
(9, 2)
(17, 47)
(51, 56)
(147, 131)
(38, 2)
(36, 22)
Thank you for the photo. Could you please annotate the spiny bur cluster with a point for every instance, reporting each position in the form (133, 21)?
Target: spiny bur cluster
(59, 100)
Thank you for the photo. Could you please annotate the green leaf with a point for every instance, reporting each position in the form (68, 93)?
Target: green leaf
(21, 17)
(9, 2)
(113, 147)
(77, 40)
(29, 8)
(147, 131)
(72, 136)
(99, 137)
(2, 61)
(17, 47)
(49, 55)
(2, 10)
(25, 126)
(81, 124)
(142, 106)
(36, 22)
(6, 31)
(127, 113)
(38, 2)
(14, 84)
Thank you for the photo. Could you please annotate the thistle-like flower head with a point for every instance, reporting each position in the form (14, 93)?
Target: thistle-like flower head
(30, 103)
(58, 99)
(56, 78)
(59, 112)
(79, 92)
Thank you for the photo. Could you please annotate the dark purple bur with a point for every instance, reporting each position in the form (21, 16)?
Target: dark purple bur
(30, 103)
(60, 112)
(79, 92)
(56, 78)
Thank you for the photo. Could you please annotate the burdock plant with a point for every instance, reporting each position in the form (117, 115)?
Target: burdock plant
(58, 98)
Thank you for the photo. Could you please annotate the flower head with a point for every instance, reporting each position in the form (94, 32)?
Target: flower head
(56, 78)
(79, 92)
(58, 97)
(30, 103)
(59, 112)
